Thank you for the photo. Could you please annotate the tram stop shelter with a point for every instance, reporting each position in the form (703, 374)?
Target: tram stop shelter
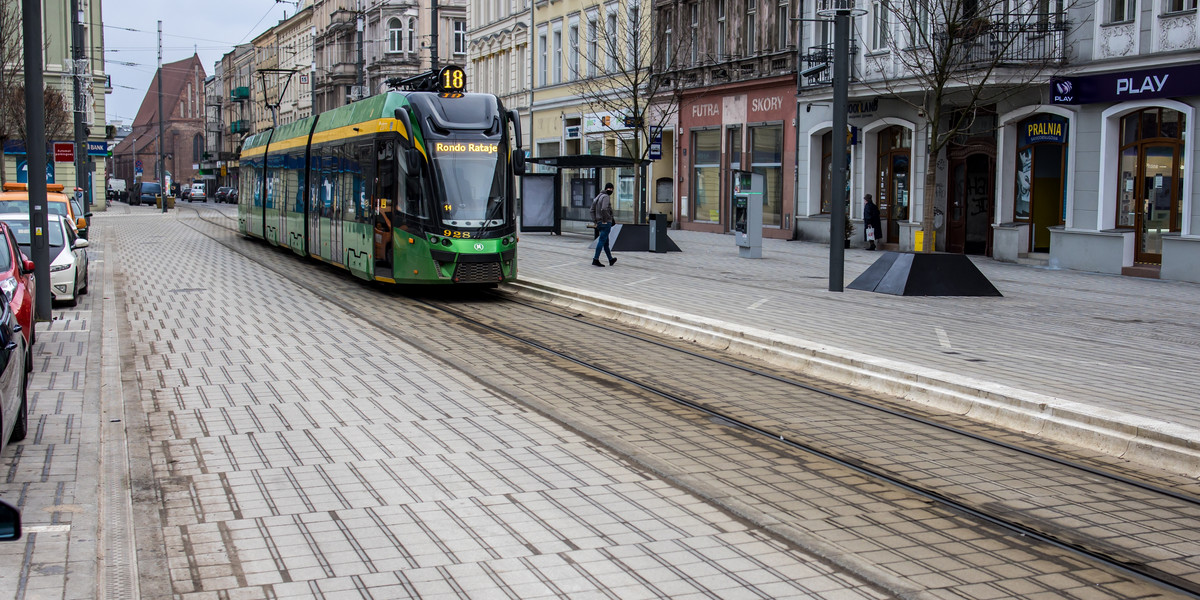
(544, 209)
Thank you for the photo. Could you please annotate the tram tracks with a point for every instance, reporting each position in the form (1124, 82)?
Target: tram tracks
(1144, 531)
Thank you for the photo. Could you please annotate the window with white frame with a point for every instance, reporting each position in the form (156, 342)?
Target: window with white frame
(783, 24)
(694, 34)
(610, 40)
(593, 43)
(668, 38)
(395, 35)
(543, 60)
(920, 25)
(460, 36)
(556, 34)
(722, 33)
(411, 34)
(1180, 5)
(1121, 10)
(573, 48)
(751, 27)
(880, 24)
(633, 30)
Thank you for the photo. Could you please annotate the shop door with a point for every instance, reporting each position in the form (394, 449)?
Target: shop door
(892, 194)
(969, 222)
(1157, 191)
(1046, 194)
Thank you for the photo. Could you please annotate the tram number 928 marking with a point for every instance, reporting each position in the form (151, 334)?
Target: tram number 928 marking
(462, 235)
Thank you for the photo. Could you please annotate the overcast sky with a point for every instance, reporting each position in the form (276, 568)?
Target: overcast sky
(210, 29)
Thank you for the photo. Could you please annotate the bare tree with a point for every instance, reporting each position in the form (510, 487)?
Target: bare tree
(955, 59)
(59, 120)
(11, 50)
(621, 65)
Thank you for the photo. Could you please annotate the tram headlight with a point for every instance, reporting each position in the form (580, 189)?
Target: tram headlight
(445, 241)
(433, 239)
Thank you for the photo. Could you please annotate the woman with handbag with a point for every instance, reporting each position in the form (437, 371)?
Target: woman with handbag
(871, 221)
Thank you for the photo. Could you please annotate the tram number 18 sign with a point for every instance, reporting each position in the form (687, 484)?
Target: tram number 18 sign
(452, 80)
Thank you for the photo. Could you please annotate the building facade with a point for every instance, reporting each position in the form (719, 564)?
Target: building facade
(58, 72)
(295, 39)
(498, 53)
(593, 94)
(183, 142)
(1079, 162)
(735, 64)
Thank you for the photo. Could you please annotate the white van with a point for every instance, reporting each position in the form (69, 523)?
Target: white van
(197, 193)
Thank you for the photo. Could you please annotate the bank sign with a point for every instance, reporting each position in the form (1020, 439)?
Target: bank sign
(1162, 82)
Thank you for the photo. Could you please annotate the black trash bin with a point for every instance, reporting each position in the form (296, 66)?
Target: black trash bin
(659, 242)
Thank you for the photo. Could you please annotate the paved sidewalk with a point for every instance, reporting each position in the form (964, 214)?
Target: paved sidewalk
(1105, 362)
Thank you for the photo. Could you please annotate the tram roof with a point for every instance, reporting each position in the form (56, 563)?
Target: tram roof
(382, 106)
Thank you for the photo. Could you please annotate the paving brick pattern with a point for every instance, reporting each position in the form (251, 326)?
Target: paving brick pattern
(300, 452)
(902, 538)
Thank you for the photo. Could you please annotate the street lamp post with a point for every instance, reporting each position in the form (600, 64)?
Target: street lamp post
(841, 11)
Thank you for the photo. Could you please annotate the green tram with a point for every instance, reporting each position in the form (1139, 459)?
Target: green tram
(413, 186)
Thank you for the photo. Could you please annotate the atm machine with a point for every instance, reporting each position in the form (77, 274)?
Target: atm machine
(747, 213)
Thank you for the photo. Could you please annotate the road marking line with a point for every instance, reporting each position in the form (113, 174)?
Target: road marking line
(758, 304)
(641, 281)
(46, 528)
(943, 339)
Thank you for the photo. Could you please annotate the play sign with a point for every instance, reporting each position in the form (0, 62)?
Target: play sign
(64, 152)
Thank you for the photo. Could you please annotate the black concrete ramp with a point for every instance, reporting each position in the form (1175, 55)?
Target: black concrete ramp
(924, 274)
(633, 238)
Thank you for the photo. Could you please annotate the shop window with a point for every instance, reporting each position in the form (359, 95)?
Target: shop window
(766, 159)
(706, 178)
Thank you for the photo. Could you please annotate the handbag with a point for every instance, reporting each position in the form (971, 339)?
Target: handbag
(870, 234)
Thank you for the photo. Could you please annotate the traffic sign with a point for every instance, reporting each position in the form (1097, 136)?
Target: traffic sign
(64, 152)
(138, 164)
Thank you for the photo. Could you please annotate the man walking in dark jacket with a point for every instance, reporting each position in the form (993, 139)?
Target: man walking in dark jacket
(870, 220)
(603, 216)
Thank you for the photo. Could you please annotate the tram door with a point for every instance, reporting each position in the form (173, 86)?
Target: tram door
(384, 194)
(340, 181)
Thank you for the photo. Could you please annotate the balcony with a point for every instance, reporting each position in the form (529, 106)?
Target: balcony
(1004, 40)
(817, 67)
(240, 126)
(238, 94)
(731, 69)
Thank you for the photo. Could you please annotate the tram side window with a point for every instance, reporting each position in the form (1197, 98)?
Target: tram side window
(328, 181)
(410, 200)
(297, 171)
(366, 182)
(347, 181)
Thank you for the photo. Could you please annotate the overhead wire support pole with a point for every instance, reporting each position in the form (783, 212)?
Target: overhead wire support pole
(35, 154)
(79, 70)
(162, 165)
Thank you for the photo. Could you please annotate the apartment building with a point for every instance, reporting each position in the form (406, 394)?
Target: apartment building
(498, 34)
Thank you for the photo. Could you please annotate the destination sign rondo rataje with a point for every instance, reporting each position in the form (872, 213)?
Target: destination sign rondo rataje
(466, 147)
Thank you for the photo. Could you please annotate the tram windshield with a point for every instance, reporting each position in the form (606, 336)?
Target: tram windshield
(471, 178)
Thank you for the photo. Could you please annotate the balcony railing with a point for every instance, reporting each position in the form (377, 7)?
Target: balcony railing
(1013, 40)
(731, 69)
(239, 93)
(817, 67)
(241, 126)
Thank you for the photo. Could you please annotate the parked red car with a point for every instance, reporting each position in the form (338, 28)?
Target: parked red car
(17, 283)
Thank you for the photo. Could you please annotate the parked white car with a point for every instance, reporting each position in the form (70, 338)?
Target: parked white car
(68, 257)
